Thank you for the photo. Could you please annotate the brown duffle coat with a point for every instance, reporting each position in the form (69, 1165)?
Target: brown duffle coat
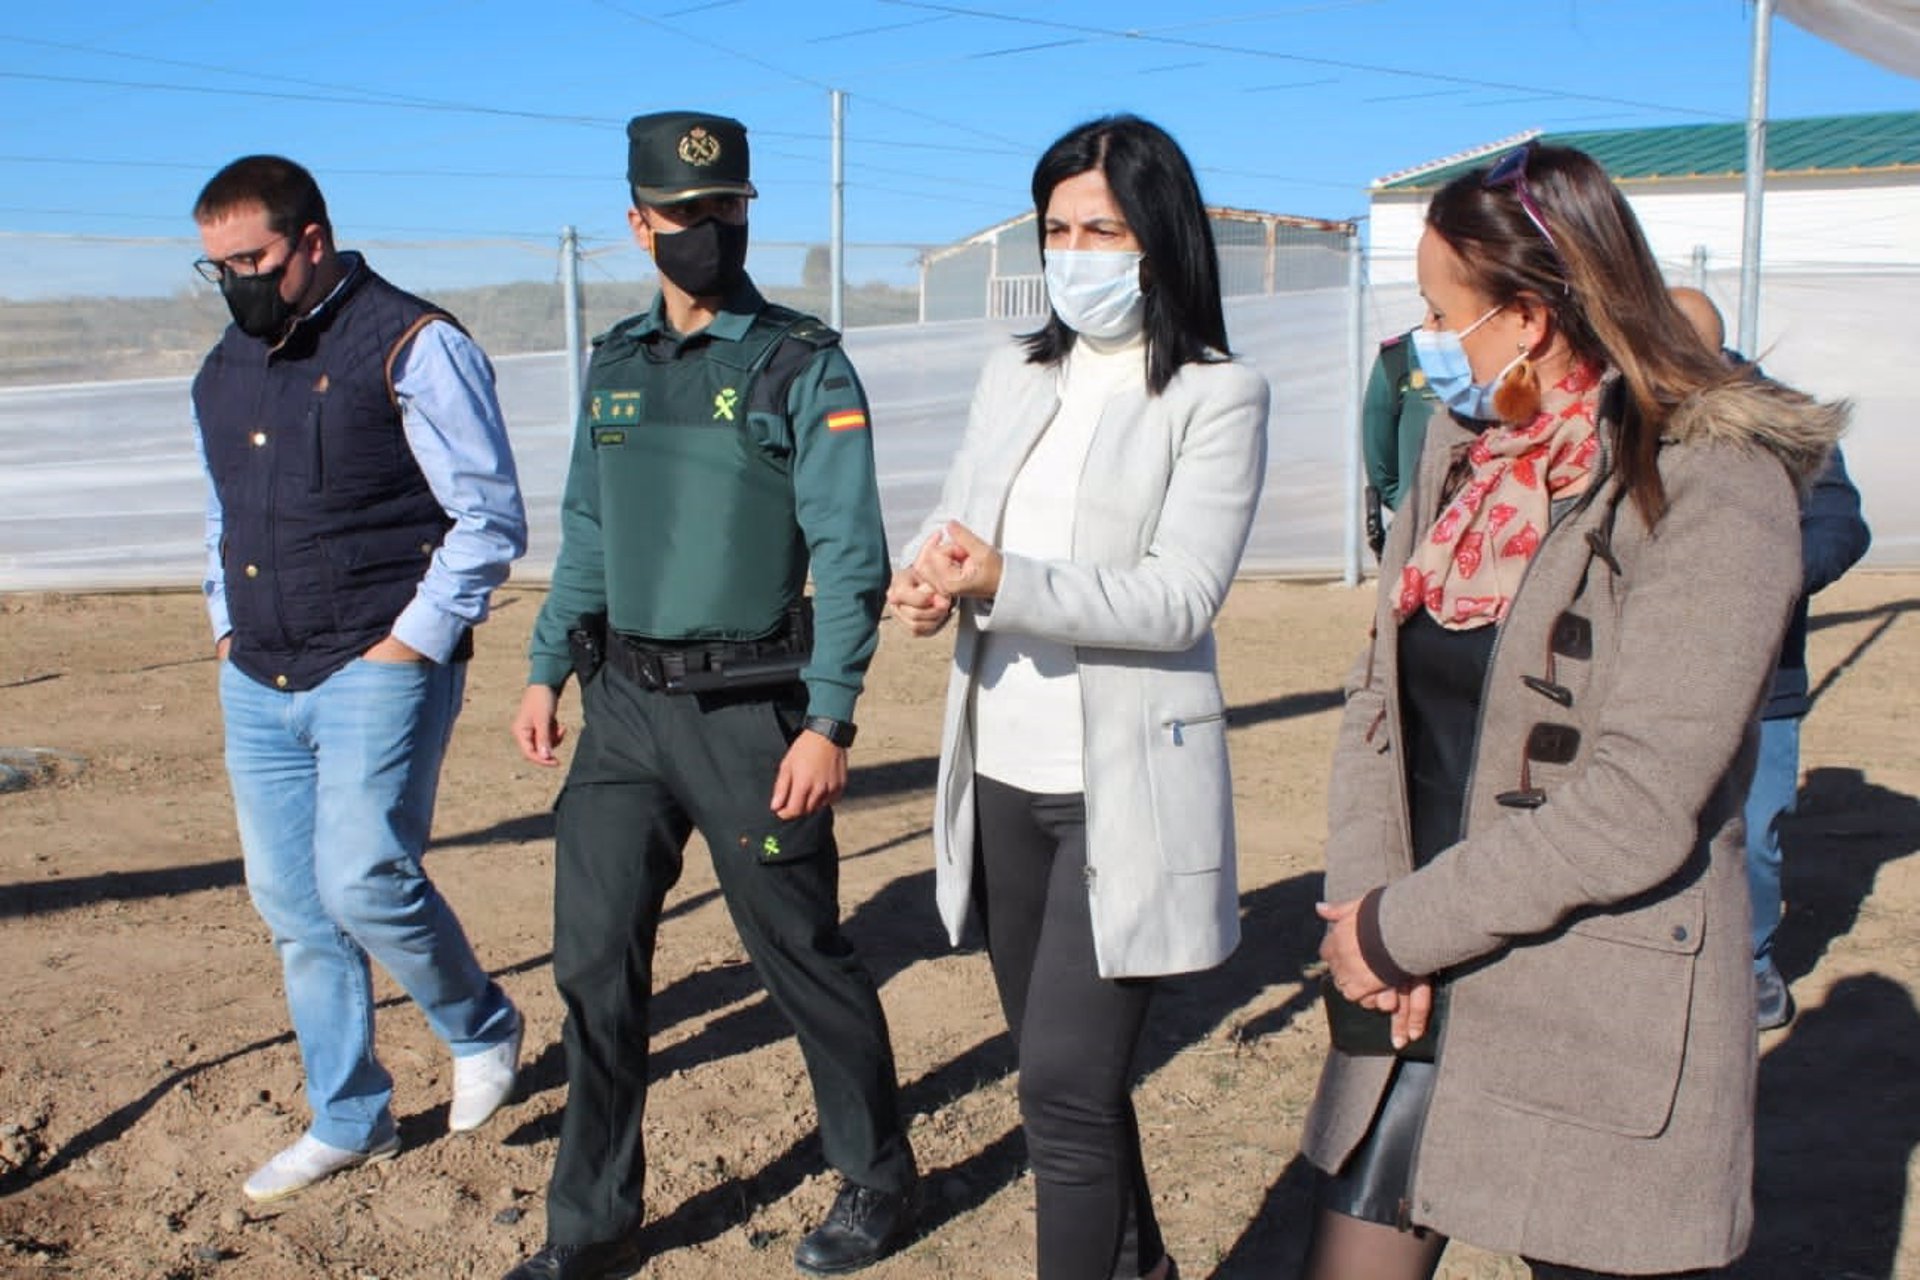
(1593, 1104)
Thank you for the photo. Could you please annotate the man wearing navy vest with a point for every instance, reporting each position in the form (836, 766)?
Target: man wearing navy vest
(1833, 537)
(362, 507)
(722, 453)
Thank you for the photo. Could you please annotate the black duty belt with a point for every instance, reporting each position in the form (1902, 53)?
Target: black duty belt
(701, 666)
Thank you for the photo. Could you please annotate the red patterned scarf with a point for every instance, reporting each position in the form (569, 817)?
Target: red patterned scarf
(1466, 568)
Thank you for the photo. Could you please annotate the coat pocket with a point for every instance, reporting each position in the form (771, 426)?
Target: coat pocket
(1592, 1023)
(1191, 789)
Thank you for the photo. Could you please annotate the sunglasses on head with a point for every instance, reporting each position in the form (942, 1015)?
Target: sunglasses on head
(1510, 170)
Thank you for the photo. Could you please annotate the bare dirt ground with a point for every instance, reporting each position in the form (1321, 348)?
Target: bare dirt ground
(146, 1067)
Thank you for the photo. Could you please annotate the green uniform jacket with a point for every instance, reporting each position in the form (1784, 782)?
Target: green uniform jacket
(1393, 421)
(822, 448)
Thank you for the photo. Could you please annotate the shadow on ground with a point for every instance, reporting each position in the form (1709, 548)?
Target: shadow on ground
(894, 929)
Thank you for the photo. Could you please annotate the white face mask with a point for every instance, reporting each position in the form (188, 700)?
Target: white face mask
(1096, 292)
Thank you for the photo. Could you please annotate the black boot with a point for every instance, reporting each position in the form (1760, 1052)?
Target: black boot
(864, 1226)
(1172, 1272)
(602, 1260)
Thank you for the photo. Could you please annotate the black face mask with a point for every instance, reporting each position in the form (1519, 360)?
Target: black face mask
(256, 303)
(707, 259)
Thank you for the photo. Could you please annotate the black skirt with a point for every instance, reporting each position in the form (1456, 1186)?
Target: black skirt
(1375, 1184)
(1442, 674)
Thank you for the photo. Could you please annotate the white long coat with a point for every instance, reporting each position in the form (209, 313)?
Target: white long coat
(1165, 503)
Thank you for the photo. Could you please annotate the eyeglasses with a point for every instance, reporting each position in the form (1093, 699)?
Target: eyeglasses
(214, 270)
(1510, 170)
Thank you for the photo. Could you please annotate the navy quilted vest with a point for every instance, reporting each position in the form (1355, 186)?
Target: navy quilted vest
(329, 524)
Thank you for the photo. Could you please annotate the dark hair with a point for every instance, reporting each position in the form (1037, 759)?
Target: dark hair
(1155, 188)
(284, 189)
(1599, 282)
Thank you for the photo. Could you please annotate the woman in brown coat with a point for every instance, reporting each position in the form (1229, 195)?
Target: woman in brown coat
(1535, 809)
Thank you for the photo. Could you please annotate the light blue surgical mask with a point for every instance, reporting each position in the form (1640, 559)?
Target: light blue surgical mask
(1450, 374)
(1096, 292)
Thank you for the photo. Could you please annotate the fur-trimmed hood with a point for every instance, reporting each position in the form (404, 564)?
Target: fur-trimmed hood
(1798, 429)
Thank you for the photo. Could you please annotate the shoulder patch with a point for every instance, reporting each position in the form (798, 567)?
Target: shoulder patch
(815, 334)
(1394, 341)
(795, 349)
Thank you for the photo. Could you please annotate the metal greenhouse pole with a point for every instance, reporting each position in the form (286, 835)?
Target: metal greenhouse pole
(1350, 565)
(1749, 339)
(837, 238)
(570, 306)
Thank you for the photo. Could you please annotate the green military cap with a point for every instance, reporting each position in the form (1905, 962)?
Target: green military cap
(678, 155)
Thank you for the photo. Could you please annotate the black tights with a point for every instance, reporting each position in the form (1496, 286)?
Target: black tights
(1348, 1248)
(1075, 1033)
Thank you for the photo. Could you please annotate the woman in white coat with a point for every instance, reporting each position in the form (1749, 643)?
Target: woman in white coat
(1085, 540)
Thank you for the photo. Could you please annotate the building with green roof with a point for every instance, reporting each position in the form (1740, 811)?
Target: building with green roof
(1843, 193)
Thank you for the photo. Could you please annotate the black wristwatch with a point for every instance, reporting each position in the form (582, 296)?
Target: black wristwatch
(838, 732)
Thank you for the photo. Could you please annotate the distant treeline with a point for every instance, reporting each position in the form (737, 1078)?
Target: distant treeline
(101, 339)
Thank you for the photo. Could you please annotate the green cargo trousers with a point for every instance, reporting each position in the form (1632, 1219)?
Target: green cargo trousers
(648, 769)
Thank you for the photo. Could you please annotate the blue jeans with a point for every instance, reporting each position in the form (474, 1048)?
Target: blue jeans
(1776, 782)
(334, 790)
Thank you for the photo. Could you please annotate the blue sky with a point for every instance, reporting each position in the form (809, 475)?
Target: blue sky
(452, 119)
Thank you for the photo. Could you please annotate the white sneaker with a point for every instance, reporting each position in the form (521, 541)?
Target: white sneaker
(307, 1162)
(483, 1081)
(1773, 1003)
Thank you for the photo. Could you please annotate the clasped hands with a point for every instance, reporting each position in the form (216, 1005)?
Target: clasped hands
(953, 564)
(1411, 1005)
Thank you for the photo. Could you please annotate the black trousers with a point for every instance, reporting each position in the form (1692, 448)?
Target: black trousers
(1075, 1032)
(649, 769)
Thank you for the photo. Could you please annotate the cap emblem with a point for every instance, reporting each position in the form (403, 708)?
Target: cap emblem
(699, 148)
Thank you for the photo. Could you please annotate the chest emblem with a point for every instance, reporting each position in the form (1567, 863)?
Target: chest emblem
(724, 404)
(615, 406)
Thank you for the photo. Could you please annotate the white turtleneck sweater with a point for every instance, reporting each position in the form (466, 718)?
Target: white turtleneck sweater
(1027, 728)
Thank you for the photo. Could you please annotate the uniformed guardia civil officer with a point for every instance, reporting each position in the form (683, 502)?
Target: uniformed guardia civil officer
(1393, 427)
(722, 451)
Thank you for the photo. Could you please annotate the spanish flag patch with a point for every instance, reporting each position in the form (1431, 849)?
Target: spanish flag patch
(847, 420)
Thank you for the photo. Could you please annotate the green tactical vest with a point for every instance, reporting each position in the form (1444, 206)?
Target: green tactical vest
(697, 515)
